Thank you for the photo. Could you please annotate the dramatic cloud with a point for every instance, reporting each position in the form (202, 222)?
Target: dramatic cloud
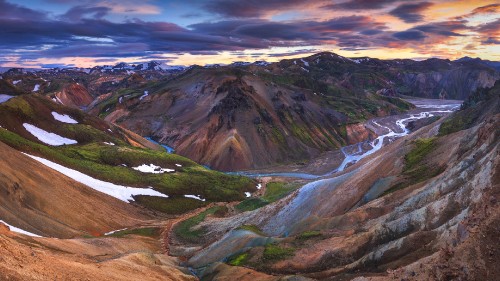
(492, 8)
(78, 12)
(410, 35)
(446, 28)
(360, 4)
(250, 8)
(490, 32)
(101, 30)
(13, 12)
(411, 13)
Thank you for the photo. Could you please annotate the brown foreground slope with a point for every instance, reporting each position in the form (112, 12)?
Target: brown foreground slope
(134, 258)
(38, 199)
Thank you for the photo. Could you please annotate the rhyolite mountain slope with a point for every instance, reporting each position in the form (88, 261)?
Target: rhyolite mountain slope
(424, 207)
(245, 116)
(255, 115)
(233, 119)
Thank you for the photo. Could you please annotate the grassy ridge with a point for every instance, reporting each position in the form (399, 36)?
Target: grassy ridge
(114, 163)
(184, 230)
(274, 192)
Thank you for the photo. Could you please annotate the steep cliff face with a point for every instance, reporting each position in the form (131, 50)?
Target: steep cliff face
(408, 208)
(455, 83)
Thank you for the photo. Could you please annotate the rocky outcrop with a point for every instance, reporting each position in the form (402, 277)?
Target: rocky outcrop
(454, 83)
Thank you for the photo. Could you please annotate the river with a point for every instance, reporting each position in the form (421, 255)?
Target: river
(388, 129)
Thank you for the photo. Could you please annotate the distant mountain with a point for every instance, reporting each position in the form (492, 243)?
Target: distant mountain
(234, 118)
(494, 64)
(250, 115)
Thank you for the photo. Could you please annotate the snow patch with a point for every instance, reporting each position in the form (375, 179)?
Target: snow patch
(15, 82)
(4, 98)
(47, 137)
(64, 118)
(114, 231)
(259, 186)
(36, 88)
(146, 93)
(120, 192)
(109, 143)
(305, 62)
(178, 165)
(152, 169)
(248, 194)
(197, 197)
(18, 230)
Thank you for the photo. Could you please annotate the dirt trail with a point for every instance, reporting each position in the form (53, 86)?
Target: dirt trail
(165, 237)
(166, 232)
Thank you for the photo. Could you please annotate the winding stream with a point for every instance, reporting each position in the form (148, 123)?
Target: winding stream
(425, 109)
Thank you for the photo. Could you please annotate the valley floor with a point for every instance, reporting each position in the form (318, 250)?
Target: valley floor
(390, 126)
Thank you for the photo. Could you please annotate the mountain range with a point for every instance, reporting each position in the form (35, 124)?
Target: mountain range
(316, 168)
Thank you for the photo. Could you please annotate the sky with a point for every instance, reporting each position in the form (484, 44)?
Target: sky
(85, 33)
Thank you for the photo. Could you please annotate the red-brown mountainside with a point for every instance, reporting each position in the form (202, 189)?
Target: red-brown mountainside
(232, 120)
(74, 95)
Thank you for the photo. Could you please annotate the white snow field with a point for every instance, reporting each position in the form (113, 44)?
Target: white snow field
(194, 197)
(47, 137)
(18, 230)
(4, 98)
(64, 118)
(121, 192)
(152, 169)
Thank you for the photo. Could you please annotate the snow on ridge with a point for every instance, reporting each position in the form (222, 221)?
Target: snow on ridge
(152, 169)
(47, 137)
(123, 193)
(4, 98)
(304, 62)
(64, 118)
(197, 197)
(18, 230)
(146, 93)
(114, 231)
